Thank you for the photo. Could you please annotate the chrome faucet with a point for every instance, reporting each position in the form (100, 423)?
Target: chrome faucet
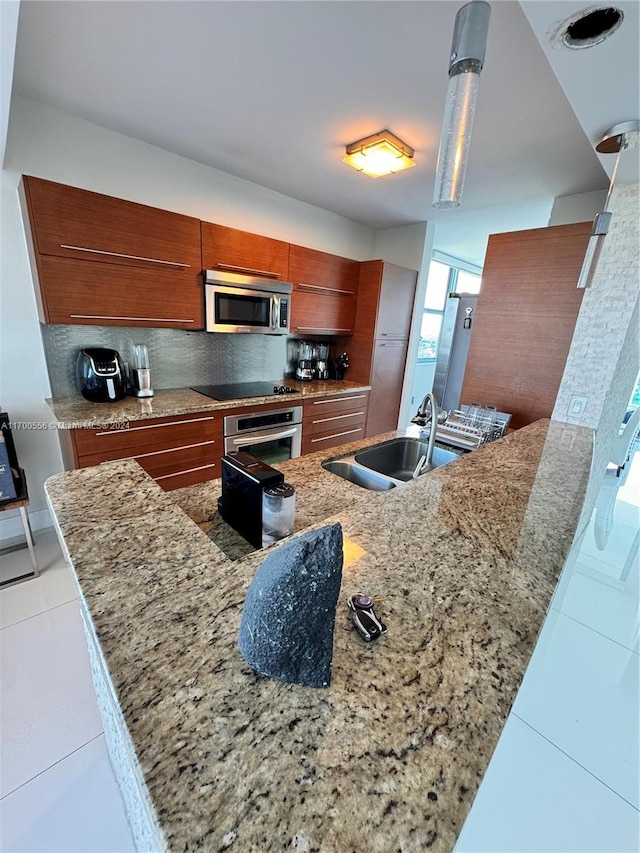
(422, 419)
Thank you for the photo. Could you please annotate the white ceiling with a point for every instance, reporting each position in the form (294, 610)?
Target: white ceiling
(272, 91)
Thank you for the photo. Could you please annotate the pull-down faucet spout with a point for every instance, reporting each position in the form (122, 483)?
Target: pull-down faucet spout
(422, 419)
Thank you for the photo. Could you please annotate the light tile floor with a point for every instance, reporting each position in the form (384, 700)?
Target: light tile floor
(564, 776)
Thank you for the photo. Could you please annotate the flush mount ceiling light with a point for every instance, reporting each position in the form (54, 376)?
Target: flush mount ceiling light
(379, 154)
(467, 57)
(588, 27)
(621, 137)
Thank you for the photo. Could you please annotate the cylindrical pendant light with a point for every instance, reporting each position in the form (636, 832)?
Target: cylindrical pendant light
(467, 57)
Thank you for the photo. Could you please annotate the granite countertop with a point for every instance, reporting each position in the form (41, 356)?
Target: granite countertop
(77, 413)
(389, 757)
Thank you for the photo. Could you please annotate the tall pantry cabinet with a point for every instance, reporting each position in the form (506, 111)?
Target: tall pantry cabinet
(378, 348)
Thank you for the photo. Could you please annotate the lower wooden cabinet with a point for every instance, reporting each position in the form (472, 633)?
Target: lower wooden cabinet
(175, 451)
(387, 376)
(332, 421)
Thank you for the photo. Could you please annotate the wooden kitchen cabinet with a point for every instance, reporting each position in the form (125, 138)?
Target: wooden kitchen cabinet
(176, 451)
(105, 261)
(231, 250)
(378, 348)
(332, 421)
(525, 319)
(387, 375)
(325, 292)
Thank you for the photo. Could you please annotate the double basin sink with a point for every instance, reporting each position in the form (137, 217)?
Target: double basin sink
(390, 464)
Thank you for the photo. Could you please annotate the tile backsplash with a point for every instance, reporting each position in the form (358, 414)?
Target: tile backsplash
(177, 358)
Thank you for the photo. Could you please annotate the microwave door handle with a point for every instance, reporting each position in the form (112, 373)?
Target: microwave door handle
(275, 312)
(241, 441)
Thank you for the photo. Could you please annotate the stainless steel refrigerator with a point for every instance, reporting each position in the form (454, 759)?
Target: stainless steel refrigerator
(453, 349)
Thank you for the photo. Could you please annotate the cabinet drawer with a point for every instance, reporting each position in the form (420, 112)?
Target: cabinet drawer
(201, 459)
(231, 250)
(154, 434)
(333, 438)
(85, 293)
(330, 405)
(313, 311)
(327, 422)
(76, 223)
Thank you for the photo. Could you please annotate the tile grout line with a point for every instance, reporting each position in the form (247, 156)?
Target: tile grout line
(42, 612)
(55, 763)
(566, 754)
(599, 633)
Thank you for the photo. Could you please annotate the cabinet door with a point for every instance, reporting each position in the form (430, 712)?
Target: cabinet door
(386, 386)
(231, 250)
(88, 293)
(322, 313)
(104, 261)
(322, 273)
(395, 309)
(325, 290)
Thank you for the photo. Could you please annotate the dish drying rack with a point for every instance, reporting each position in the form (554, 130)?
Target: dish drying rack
(472, 426)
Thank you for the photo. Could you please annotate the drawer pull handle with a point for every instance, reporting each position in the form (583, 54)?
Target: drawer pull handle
(303, 286)
(338, 417)
(112, 317)
(321, 329)
(248, 270)
(186, 471)
(126, 257)
(335, 435)
(338, 399)
(154, 426)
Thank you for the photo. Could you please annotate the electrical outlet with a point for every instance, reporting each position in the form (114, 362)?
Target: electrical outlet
(577, 405)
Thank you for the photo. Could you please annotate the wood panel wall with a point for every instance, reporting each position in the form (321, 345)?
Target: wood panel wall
(524, 320)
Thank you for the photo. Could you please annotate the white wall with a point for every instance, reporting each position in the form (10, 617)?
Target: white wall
(577, 208)
(50, 144)
(23, 373)
(9, 10)
(604, 356)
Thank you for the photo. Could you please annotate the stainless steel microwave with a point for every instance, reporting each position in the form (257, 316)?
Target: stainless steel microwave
(241, 303)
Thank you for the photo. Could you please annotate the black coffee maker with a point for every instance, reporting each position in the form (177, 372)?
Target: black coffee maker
(100, 374)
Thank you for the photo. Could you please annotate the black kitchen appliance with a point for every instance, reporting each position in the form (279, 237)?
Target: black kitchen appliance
(240, 505)
(101, 376)
(242, 390)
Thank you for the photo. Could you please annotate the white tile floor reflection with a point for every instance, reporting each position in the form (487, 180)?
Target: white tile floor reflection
(564, 776)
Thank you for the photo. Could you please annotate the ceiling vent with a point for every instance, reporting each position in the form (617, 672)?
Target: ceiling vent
(588, 27)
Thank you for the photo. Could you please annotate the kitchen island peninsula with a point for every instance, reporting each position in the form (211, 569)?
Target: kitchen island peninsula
(212, 756)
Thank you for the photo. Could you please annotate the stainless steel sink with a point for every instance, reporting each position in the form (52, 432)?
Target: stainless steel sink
(387, 465)
(349, 470)
(398, 458)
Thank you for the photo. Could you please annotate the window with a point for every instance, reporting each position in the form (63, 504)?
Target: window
(443, 280)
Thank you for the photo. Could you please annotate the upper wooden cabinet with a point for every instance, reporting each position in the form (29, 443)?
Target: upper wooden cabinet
(325, 292)
(105, 261)
(231, 250)
(378, 349)
(387, 293)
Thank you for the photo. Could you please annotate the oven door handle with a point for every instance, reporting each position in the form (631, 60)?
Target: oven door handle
(260, 438)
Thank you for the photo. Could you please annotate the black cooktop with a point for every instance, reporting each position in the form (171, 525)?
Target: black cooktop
(240, 390)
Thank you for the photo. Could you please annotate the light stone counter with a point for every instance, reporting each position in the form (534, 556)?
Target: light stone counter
(390, 756)
(76, 412)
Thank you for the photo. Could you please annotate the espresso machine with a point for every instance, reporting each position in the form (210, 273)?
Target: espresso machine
(321, 369)
(306, 357)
